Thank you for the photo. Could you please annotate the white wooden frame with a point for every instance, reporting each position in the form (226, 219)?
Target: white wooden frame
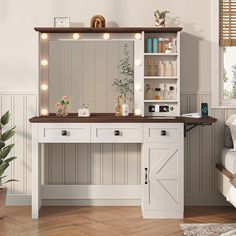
(217, 100)
(138, 55)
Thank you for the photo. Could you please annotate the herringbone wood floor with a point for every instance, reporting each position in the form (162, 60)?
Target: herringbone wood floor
(104, 221)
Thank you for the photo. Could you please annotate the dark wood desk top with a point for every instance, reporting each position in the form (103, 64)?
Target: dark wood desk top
(111, 118)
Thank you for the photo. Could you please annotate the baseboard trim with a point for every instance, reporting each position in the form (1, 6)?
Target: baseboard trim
(18, 200)
(190, 200)
(207, 200)
(103, 192)
(94, 202)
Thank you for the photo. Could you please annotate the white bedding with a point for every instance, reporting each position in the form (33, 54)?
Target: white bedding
(228, 159)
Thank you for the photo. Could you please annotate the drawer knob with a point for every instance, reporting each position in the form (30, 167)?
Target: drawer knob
(163, 133)
(116, 132)
(64, 132)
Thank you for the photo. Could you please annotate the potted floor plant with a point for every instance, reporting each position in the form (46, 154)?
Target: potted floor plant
(5, 149)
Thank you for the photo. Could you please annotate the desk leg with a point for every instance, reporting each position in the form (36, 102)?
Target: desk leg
(36, 173)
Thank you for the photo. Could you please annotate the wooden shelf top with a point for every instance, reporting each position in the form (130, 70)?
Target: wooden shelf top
(111, 118)
(107, 30)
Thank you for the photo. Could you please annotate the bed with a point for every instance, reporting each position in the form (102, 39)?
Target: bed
(225, 171)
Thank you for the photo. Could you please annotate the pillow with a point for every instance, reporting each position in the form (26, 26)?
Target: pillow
(231, 122)
(228, 138)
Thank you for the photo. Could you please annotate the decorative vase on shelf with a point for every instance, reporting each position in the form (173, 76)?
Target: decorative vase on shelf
(160, 22)
(59, 109)
(125, 107)
(65, 111)
(118, 107)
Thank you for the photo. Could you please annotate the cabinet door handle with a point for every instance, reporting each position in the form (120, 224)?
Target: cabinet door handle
(163, 133)
(116, 132)
(146, 175)
(64, 132)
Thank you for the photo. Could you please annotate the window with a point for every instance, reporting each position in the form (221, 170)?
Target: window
(227, 40)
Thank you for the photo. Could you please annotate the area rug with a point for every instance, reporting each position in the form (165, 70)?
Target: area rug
(208, 229)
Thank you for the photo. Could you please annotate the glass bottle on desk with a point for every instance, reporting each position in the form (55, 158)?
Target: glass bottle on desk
(118, 107)
(125, 107)
(166, 95)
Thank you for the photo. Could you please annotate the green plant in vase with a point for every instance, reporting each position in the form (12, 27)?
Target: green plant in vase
(126, 81)
(5, 149)
(160, 18)
(62, 106)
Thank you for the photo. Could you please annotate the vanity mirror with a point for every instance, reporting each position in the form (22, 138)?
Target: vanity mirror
(85, 71)
(84, 67)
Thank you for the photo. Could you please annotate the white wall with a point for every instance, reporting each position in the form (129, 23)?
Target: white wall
(18, 57)
(18, 74)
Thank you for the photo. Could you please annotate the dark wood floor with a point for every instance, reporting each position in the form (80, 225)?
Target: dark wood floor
(107, 221)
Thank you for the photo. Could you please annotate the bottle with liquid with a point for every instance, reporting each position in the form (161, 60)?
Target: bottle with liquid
(166, 95)
(148, 67)
(150, 94)
(149, 45)
(118, 107)
(160, 45)
(125, 107)
(169, 69)
(161, 69)
(147, 87)
(158, 94)
(172, 93)
(155, 67)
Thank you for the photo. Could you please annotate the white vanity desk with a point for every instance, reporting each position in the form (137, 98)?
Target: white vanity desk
(162, 139)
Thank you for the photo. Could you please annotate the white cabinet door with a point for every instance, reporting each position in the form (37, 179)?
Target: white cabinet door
(162, 178)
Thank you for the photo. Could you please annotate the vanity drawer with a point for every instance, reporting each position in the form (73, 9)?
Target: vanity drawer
(163, 132)
(117, 133)
(64, 133)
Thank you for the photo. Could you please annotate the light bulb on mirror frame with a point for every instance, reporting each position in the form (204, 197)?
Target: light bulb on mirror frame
(76, 36)
(138, 62)
(138, 36)
(137, 87)
(44, 36)
(44, 112)
(44, 87)
(106, 36)
(137, 112)
(44, 62)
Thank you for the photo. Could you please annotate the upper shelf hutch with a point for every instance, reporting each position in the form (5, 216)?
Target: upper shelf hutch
(156, 61)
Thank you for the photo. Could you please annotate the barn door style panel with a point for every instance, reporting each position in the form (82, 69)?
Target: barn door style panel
(162, 180)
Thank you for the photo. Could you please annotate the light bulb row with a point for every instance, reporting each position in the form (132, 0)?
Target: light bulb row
(106, 36)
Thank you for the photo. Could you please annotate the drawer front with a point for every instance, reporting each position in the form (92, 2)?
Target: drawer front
(117, 133)
(163, 132)
(64, 133)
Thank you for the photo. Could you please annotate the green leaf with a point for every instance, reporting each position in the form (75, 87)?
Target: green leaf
(8, 134)
(5, 118)
(10, 180)
(2, 144)
(5, 151)
(3, 167)
(9, 159)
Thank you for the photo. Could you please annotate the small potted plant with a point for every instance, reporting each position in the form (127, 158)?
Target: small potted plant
(124, 83)
(62, 106)
(4, 160)
(160, 18)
